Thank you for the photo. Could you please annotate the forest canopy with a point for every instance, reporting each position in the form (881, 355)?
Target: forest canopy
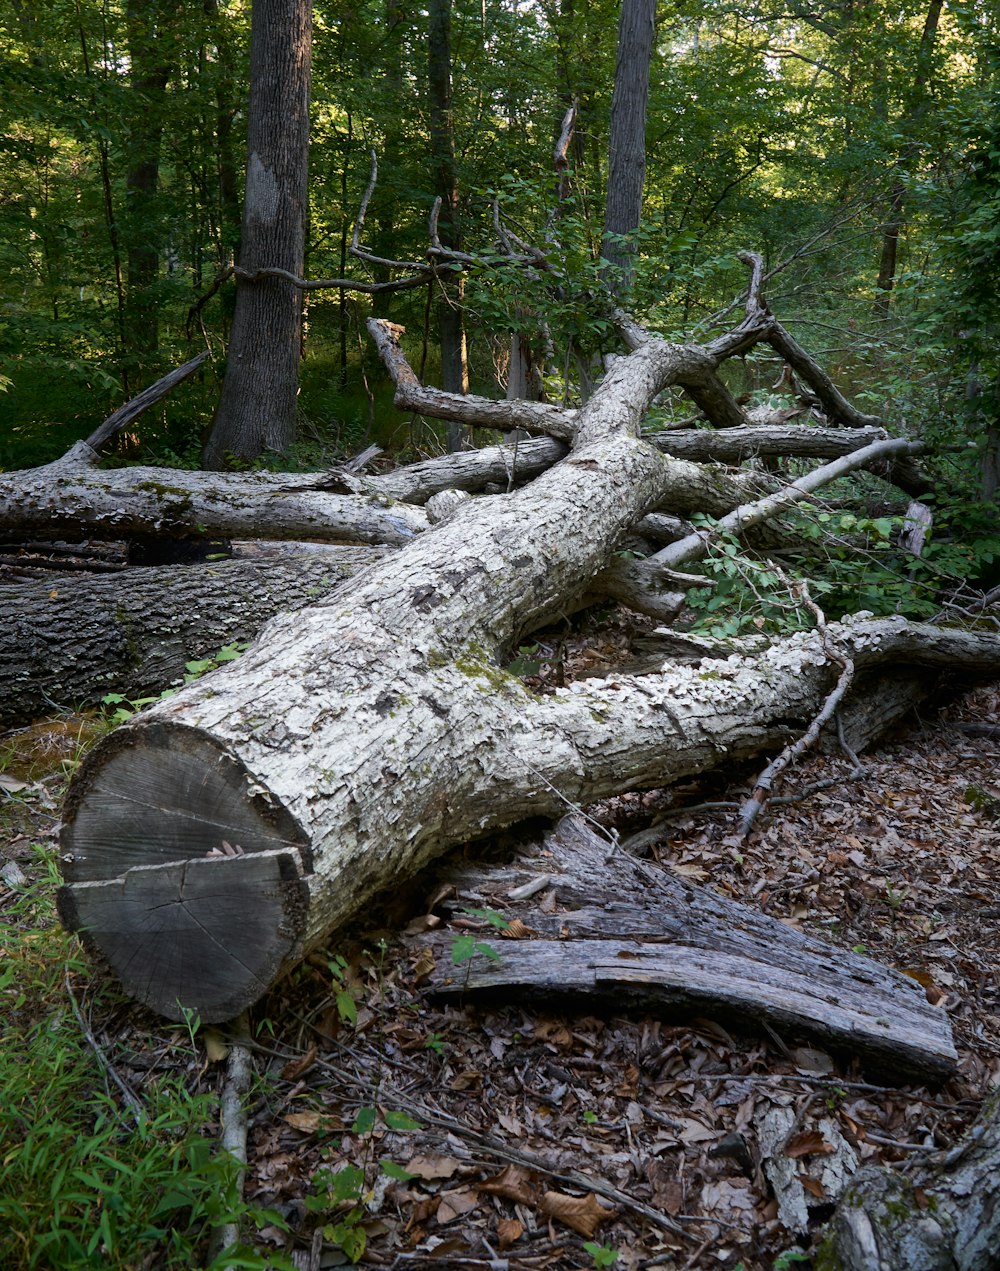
(853, 146)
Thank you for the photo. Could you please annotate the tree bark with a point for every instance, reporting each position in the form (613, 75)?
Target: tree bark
(72, 498)
(943, 1214)
(363, 736)
(151, 56)
(71, 640)
(454, 361)
(258, 403)
(627, 141)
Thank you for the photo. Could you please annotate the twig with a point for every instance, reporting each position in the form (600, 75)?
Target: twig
(128, 1094)
(495, 1148)
(233, 1118)
(776, 767)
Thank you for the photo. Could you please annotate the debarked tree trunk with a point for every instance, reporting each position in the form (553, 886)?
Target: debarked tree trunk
(212, 842)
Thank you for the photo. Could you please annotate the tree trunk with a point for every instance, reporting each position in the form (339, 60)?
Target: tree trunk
(916, 103)
(943, 1214)
(627, 142)
(259, 394)
(150, 55)
(69, 640)
(454, 361)
(214, 841)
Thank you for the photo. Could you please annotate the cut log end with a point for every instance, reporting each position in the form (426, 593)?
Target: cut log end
(180, 873)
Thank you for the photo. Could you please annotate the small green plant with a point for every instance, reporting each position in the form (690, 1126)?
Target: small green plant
(603, 1255)
(347, 1192)
(589, 1117)
(126, 707)
(784, 1260)
(895, 897)
(465, 948)
(347, 1004)
(87, 1180)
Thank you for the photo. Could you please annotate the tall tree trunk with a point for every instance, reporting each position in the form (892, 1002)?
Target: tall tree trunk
(386, 206)
(258, 403)
(893, 225)
(627, 143)
(150, 54)
(451, 322)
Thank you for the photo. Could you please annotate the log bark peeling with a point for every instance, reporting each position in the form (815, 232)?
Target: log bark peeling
(588, 922)
(363, 736)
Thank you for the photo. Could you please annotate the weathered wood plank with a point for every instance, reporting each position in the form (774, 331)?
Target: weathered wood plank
(623, 931)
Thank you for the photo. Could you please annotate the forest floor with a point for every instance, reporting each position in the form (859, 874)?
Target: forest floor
(530, 1139)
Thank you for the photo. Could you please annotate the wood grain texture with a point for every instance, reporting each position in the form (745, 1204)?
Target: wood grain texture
(189, 936)
(607, 927)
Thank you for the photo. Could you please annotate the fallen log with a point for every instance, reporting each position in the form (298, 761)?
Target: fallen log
(329, 781)
(942, 1214)
(68, 641)
(589, 923)
(212, 842)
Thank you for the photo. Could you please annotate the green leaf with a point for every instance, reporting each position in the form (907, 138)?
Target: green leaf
(364, 1121)
(401, 1121)
(347, 1008)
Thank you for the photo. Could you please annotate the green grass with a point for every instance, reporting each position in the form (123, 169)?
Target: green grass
(86, 1179)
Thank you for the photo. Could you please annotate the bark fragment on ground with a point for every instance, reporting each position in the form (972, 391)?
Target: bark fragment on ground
(590, 923)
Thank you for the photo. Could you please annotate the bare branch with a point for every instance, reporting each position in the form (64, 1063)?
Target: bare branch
(343, 284)
(765, 782)
(746, 517)
(480, 412)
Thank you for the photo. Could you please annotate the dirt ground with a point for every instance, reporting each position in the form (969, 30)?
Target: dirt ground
(509, 1138)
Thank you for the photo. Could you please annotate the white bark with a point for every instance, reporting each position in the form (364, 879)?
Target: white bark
(212, 842)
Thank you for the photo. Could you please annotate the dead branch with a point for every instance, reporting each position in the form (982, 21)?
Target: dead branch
(87, 452)
(772, 773)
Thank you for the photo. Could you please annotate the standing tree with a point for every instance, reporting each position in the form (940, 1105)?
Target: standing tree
(454, 363)
(258, 403)
(152, 46)
(627, 143)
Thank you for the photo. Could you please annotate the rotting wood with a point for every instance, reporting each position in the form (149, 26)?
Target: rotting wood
(604, 927)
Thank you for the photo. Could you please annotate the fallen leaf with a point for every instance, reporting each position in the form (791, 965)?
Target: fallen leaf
(933, 994)
(584, 1214)
(215, 1046)
(696, 1132)
(555, 1033)
(509, 1231)
(433, 1166)
(808, 1143)
(813, 1186)
(512, 1183)
(296, 1067)
(424, 964)
(455, 1204)
(696, 872)
(806, 1059)
(306, 1122)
